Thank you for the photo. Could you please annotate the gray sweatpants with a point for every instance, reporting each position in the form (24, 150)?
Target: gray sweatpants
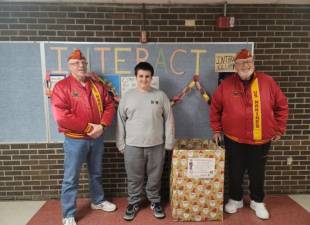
(139, 160)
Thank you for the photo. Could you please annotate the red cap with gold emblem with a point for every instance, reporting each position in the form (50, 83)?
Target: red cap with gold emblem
(76, 54)
(243, 54)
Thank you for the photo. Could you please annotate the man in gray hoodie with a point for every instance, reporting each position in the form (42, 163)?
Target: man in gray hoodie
(145, 128)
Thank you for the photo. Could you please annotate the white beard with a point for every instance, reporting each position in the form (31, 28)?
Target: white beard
(246, 74)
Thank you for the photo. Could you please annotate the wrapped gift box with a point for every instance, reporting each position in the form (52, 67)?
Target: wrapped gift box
(197, 180)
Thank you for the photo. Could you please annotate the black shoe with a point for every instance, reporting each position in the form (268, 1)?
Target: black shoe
(158, 210)
(131, 211)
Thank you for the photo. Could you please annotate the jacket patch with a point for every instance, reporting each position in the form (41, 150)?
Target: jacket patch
(75, 93)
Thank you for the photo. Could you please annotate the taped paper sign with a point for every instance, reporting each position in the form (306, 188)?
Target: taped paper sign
(224, 62)
(201, 168)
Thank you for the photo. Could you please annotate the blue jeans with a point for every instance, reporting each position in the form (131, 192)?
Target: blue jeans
(76, 152)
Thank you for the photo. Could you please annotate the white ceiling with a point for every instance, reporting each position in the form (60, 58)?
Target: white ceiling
(175, 1)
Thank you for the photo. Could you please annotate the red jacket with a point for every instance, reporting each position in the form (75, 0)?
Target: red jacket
(74, 106)
(232, 111)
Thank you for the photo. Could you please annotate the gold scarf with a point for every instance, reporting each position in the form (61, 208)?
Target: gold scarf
(98, 99)
(257, 112)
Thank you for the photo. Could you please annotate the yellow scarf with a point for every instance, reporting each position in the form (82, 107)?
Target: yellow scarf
(257, 112)
(98, 99)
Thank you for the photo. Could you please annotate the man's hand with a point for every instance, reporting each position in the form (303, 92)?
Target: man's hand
(217, 138)
(97, 130)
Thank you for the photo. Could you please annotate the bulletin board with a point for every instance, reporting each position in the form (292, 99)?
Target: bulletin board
(25, 109)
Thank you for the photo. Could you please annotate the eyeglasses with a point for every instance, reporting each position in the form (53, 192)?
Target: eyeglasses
(77, 63)
(244, 62)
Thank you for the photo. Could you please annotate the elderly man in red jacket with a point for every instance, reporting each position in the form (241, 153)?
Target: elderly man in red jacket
(250, 110)
(82, 109)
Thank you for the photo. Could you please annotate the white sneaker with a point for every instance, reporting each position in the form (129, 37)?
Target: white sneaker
(105, 206)
(260, 210)
(68, 221)
(232, 206)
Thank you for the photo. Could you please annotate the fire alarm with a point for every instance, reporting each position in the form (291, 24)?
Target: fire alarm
(225, 22)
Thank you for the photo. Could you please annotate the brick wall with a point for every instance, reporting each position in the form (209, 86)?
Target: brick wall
(281, 34)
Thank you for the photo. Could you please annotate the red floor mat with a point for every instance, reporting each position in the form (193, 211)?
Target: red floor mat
(283, 211)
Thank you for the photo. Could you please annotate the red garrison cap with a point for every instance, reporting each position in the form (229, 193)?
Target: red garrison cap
(76, 54)
(243, 54)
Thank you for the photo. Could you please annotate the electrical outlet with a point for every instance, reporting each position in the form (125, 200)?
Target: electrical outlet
(289, 161)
